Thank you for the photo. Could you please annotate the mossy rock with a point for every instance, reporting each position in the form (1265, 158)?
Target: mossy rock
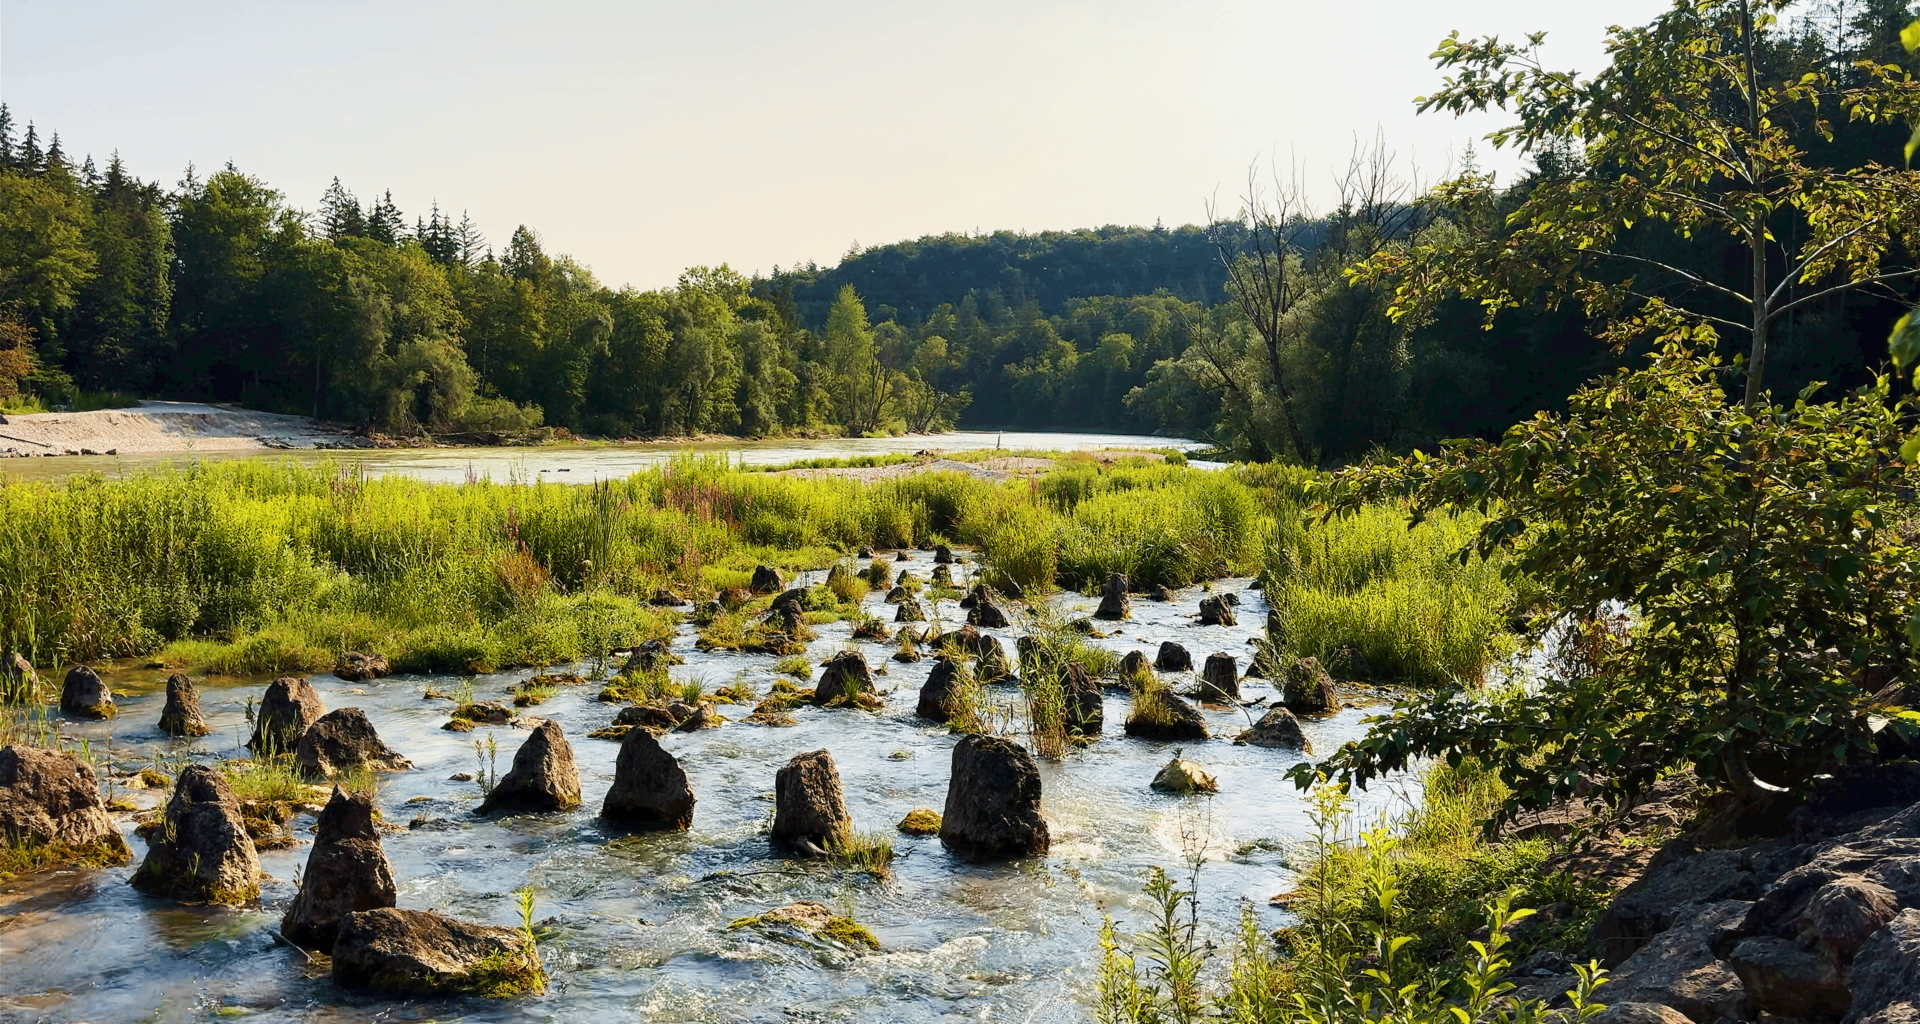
(807, 918)
(921, 821)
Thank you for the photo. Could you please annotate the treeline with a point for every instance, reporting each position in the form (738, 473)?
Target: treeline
(1249, 330)
(219, 289)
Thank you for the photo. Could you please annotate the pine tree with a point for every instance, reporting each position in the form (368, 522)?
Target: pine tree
(56, 157)
(30, 155)
(384, 222)
(340, 215)
(470, 242)
(7, 154)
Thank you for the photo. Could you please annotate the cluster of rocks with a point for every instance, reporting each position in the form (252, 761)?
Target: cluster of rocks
(1820, 925)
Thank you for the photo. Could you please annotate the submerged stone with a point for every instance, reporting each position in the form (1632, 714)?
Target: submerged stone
(84, 695)
(809, 812)
(543, 777)
(419, 952)
(1184, 777)
(993, 801)
(650, 789)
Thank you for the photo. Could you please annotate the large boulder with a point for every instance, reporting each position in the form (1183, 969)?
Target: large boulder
(181, 716)
(341, 741)
(650, 789)
(809, 812)
(1085, 704)
(202, 852)
(421, 953)
(1678, 968)
(354, 666)
(1277, 728)
(1220, 679)
(289, 708)
(936, 695)
(85, 695)
(1217, 611)
(1173, 658)
(993, 801)
(1674, 880)
(543, 776)
(1113, 600)
(347, 872)
(1159, 714)
(1885, 982)
(1308, 689)
(51, 798)
(766, 580)
(846, 678)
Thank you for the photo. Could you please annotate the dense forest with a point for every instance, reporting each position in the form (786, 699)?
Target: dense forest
(1249, 330)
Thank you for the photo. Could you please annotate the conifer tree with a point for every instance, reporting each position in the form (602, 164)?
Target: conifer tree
(340, 215)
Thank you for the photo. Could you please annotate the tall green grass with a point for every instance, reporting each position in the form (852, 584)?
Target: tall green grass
(1397, 595)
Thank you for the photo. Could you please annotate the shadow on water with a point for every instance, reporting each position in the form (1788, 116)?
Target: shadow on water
(638, 923)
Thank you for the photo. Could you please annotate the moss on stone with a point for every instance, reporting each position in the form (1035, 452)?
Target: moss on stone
(921, 821)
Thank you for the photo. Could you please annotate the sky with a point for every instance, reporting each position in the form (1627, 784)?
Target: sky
(643, 138)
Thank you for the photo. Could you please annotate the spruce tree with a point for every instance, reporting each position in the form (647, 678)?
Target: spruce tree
(384, 222)
(7, 154)
(30, 155)
(340, 215)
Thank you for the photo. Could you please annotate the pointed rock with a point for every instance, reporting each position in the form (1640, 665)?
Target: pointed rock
(290, 706)
(341, 741)
(809, 812)
(650, 789)
(993, 801)
(986, 614)
(909, 609)
(1173, 658)
(543, 777)
(347, 872)
(943, 555)
(1220, 679)
(937, 694)
(181, 716)
(1114, 604)
(1085, 710)
(1134, 664)
(202, 852)
(766, 580)
(846, 677)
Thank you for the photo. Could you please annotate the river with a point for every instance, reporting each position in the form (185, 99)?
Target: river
(639, 924)
(583, 462)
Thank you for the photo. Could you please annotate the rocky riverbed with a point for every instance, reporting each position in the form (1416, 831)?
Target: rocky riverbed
(638, 923)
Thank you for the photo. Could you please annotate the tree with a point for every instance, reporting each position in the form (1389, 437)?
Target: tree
(340, 215)
(1265, 255)
(1680, 132)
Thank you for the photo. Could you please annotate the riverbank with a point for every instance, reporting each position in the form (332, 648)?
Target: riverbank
(164, 427)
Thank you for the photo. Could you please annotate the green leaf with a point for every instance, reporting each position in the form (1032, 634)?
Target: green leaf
(1909, 451)
(1912, 145)
(1910, 37)
(1904, 343)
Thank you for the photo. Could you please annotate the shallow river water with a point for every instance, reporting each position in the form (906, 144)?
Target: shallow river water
(582, 463)
(639, 923)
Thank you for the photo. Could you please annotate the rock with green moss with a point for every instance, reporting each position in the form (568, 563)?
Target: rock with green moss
(201, 851)
(847, 677)
(921, 821)
(421, 953)
(807, 919)
(85, 695)
(181, 716)
(1184, 777)
(50, 807)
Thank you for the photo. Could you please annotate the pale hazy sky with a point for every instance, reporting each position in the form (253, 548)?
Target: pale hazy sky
(644, 137)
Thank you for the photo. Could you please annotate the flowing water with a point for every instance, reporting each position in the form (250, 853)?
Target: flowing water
(581, 463)
(639, 924)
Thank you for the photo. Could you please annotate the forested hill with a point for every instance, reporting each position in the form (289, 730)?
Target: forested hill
(907, 281)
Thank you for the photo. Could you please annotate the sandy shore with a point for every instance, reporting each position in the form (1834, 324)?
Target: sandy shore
(165, 427)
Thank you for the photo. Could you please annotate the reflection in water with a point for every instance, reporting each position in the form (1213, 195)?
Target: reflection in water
(638, 923)
(584, 463)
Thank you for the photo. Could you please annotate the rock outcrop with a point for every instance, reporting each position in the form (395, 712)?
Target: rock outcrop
(1678, 970)
(85, 695)
(202, 852)
(289, 708)
(1220, 679)
(993, 801)
(846, 679)
(1173, 658)
(543, 776)
(341, 741)
(650, 789)
(1114, 604)
(421, 953)
(809, 812)
(1277, 728)
(181, 716)
(766, 580)
(347, 872)
(354, 666)
(1308, 689)
(51, 798)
